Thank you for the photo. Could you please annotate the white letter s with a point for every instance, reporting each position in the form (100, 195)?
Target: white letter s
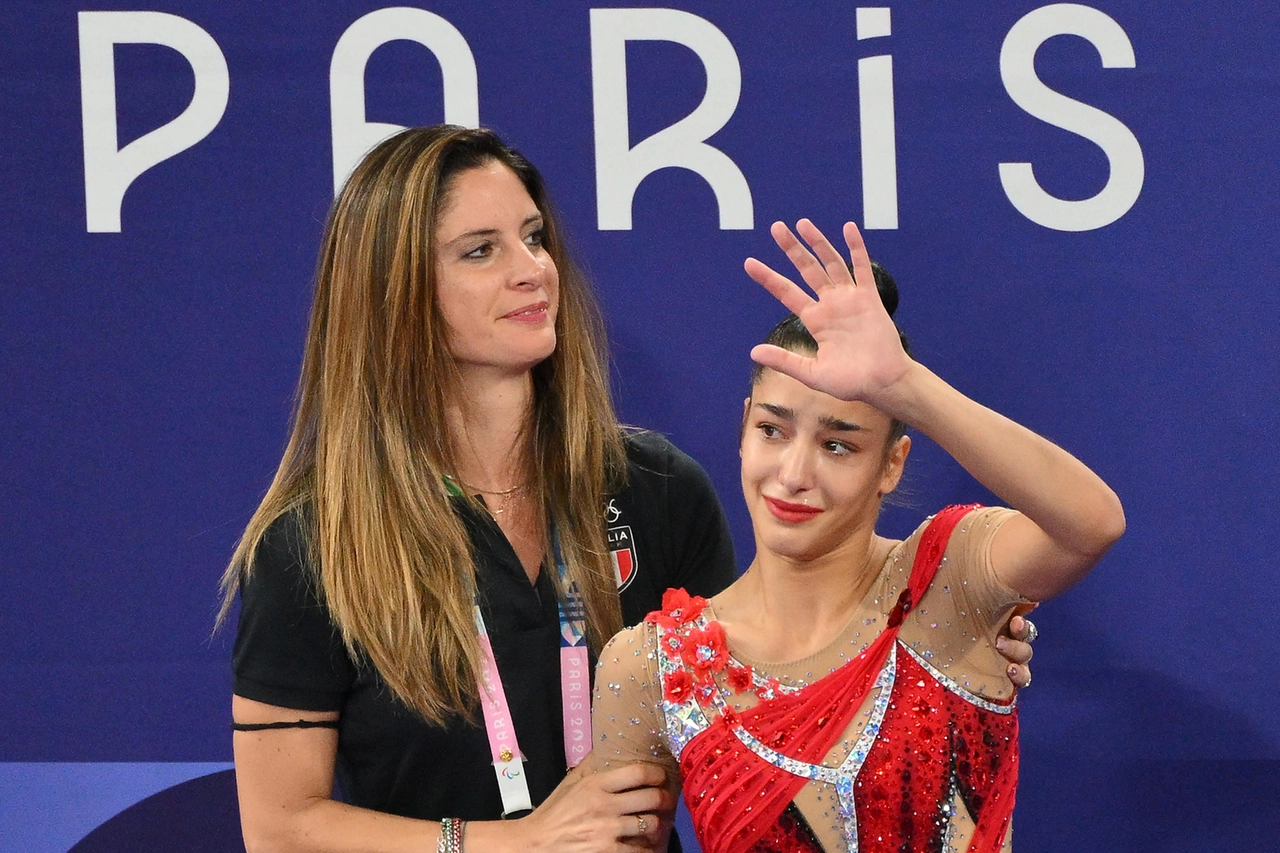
(1124, 154)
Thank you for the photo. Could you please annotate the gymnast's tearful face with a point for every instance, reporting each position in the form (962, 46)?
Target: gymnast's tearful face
(814, 469)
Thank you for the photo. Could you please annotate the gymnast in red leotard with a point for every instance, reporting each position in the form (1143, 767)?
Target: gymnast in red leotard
(846, 693)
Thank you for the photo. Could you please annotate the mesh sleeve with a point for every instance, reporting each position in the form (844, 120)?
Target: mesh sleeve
(626, 714)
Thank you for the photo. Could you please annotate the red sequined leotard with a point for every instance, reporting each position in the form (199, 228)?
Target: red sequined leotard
(877, 743)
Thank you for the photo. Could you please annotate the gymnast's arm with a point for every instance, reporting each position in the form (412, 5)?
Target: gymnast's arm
(1068, 516)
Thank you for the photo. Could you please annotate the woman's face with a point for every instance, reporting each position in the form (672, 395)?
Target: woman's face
(813, 467)
(497, 287)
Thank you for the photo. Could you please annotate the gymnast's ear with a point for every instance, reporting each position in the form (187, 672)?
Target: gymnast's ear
(895, 460)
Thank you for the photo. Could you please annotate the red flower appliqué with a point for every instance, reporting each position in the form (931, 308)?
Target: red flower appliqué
(676, 686)
(678, 608)
(769, 690)
(706, 650)
(740, 678)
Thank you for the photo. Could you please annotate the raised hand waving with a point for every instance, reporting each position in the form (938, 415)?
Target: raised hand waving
(860, 355)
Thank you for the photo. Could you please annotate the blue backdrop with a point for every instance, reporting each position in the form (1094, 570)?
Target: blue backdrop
(1118, 296)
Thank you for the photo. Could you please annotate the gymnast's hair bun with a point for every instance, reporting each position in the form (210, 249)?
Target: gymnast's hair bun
(887, 287)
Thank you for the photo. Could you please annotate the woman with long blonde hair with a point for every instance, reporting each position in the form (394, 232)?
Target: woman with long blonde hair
(423, 580)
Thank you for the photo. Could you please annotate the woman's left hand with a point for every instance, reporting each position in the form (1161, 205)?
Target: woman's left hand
(1014, 645)
(859, 352)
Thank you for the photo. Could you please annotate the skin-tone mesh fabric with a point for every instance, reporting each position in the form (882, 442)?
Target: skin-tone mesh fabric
(946, 644)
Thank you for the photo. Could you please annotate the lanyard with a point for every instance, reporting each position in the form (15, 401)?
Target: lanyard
(508, 760)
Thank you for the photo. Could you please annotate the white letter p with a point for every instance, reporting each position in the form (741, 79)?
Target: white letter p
(108, 170)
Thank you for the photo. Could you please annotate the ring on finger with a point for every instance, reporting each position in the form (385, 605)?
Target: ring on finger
(1032, 633)
(642, 825)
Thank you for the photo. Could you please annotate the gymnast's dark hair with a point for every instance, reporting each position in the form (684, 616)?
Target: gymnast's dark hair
(791, 335)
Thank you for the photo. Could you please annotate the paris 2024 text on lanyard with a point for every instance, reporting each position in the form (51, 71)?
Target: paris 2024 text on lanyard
(508, 761)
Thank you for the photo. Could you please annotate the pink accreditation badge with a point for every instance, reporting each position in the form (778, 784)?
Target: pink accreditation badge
(575, 695)
(575, 678)
(508, 763)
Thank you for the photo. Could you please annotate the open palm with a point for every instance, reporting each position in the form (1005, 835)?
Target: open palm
(859, 353)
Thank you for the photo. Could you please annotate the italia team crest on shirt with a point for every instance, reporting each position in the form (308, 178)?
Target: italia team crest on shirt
(622, 548)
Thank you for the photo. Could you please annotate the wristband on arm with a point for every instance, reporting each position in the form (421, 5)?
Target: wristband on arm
(450, 835)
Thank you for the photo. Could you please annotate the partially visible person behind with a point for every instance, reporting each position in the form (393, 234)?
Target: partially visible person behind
(847, 692)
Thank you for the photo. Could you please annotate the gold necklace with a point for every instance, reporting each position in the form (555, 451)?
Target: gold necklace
(502, 505)
(502, 493)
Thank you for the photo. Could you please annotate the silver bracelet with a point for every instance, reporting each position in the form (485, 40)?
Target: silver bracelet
(450, 835)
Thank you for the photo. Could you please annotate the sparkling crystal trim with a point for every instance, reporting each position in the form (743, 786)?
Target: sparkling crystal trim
(842, 777)
(954, 686)
(684, 719)
(949, 815)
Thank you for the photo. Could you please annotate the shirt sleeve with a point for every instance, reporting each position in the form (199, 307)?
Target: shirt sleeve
(627, 722)
(287, 650)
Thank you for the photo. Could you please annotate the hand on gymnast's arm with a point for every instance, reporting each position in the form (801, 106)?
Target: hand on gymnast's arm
(284, 780)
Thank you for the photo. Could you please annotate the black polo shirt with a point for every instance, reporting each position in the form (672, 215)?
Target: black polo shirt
(666, 529)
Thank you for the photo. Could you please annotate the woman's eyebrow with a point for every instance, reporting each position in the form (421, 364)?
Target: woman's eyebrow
(779, 412)
(828, 422)
(534, 219)
(479, 232)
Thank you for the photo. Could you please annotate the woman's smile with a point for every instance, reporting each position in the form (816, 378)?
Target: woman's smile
(532, 315)
(792, 513)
